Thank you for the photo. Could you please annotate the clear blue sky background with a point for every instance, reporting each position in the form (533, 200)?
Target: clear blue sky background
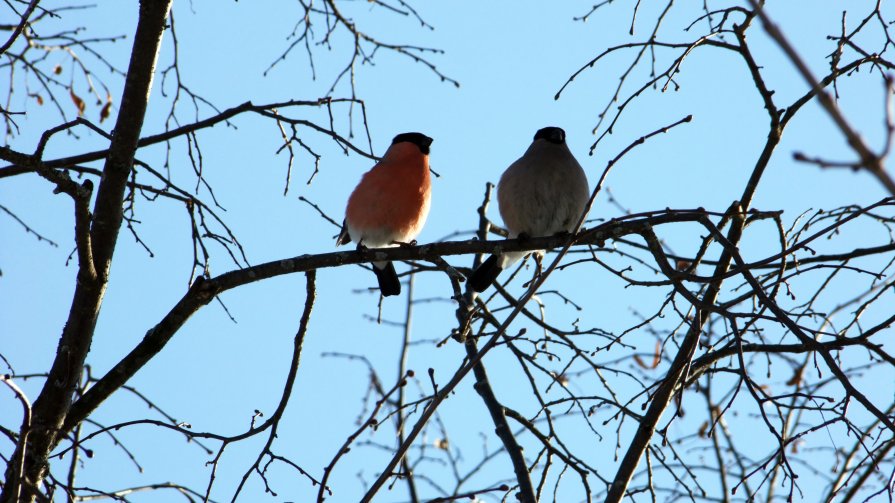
(510, 57)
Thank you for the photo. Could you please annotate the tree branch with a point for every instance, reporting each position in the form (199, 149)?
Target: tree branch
(53, 403)
(679, 367)
(501, 427)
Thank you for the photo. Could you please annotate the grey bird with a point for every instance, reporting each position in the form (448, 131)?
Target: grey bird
(542, 193)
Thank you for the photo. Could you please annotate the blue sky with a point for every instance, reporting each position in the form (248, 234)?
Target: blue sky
(510, 59)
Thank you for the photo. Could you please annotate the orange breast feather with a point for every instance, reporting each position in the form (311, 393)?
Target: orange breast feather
(392, 199)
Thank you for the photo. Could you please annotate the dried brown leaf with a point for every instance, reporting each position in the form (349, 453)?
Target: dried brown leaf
(796, 377)
(657, 355)
(105, 112)
(79, 103)
(640, 362)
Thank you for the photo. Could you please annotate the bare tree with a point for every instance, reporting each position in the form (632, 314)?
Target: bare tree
(755, 378)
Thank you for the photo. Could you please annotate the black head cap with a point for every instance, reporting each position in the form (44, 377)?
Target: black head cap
(419, 139)
(551, 134)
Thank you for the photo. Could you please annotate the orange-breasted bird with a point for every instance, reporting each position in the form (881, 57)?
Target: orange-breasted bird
(390, 204)
(541, 194)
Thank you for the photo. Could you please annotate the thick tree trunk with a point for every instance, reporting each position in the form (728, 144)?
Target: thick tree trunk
(29, 465)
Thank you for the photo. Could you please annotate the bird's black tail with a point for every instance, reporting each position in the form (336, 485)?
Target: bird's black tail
(485, 274)
(389, 284)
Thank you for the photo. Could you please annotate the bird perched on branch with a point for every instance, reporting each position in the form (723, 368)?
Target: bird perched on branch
(390, 204)
(541, 194)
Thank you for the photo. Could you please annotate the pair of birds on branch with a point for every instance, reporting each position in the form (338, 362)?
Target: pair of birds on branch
(542, 193)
